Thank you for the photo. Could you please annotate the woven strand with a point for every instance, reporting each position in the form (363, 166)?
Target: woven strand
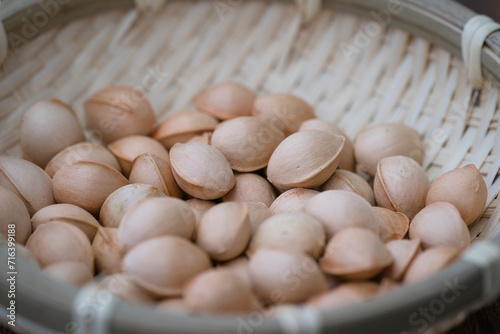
(148, 5)
(475, 32)
(486, 255)
(91, 313)
(4, 44)
(293, 320)
(309, 9)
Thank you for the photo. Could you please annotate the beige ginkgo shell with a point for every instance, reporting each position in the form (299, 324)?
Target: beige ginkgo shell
(338, 209)
(257, 213)
(429, 262)
(71, 272)
(440, 224)
(124, 287)
(349, 181)
(79, 152)
(60, 242)
(401, 185)
(385, 140)
(67, 213)
(464, 188)
(355, 253)
(250, 187)
(305, 159)
(107, 252)
(272, 273)
(199, 207)
(14, 212)
(218, 291)
(345, 294)
(298, 233)
(292, 201)
(204, 138)
(246, 142)
(393, 225)
(150, 169)
(225, 100)
(28, 181)
(201, 170)
(126, 149)
(224, 231)
(154, 217)
(403, 252)
(347, 160)
(239, 267)
(286, 112)
(116, 112)
(163, 265)
(48, 127)
(86, 184)
(183, 126)
(122, 199)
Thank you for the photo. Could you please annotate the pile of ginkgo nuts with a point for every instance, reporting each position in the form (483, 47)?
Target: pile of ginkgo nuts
(246, 203)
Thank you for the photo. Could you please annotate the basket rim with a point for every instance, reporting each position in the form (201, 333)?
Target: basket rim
(425, 16)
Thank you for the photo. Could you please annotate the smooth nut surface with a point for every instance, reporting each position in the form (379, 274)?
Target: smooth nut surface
(299, 233)
(292, 201)
(464, 188)
(183, 126)
(355, 253)
(225, 100)
(384, 140)
(440, 224)
(246, 142)
(430, 262)
(46, 128)
(107, 253)
(347, 160)
(305, 159)
(218, 291)
(251, 187)
(117, 112)
(272, 271)
(67, 213)
(79, 152)
(126, 149)
(401, 185)
(124, 287)
(165, 264)
(345, 294)
(257, 213)
(337, 210)
(74, 273)
(349, 181)
(13, 211)
(122, 199)
(28, 181)
(59, 242)
(154, 217)
(285, 111)
(201, 170)
(393, 225)
(224, 230)
(403, 252)
(86, 184)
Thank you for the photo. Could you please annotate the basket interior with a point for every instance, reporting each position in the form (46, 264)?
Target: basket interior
(355, 72)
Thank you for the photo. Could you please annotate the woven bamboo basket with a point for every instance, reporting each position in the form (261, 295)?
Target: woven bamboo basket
(358, 62)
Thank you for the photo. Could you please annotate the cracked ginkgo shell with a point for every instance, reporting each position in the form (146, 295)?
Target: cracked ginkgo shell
(201, 170)
(401, 185)
(355, 253)
(305, 159)
(163, 265)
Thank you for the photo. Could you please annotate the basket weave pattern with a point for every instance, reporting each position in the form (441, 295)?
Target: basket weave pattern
(353, 74)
